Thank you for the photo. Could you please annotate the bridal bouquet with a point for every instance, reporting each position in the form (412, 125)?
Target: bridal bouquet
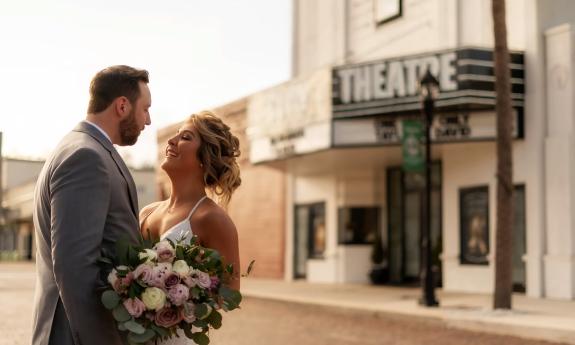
(160, 287)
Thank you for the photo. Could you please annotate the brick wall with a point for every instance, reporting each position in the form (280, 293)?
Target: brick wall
(258, 205)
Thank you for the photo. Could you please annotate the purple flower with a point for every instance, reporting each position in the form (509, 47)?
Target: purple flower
(215, 282)
(171, 279)
(178, 294)
(203, 279)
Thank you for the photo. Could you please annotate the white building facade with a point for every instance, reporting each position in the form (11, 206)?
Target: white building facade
(337, 127)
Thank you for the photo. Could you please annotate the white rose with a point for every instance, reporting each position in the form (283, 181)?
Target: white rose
(154, 298)
(181, 267)
(165, 251)
(149, 255)
(113, 277)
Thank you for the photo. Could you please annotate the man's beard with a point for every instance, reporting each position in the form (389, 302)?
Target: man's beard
(129, 129)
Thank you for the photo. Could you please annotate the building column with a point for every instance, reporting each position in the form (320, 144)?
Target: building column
(559, 260)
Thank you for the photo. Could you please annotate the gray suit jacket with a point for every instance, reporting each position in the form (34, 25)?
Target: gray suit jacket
(85, 200)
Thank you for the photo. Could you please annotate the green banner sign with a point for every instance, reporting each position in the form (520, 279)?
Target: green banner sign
(412, 146)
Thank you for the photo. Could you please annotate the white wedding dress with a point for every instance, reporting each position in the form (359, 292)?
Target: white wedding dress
(181, 230)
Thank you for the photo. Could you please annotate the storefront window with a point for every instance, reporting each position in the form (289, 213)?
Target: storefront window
(474, 225)
(358, 225)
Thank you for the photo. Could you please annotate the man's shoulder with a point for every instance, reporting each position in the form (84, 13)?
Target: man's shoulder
(78, 143)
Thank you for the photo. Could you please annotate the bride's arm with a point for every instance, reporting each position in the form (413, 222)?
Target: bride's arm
(219, 232)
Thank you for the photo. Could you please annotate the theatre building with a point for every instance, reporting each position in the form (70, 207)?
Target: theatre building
(336, 131)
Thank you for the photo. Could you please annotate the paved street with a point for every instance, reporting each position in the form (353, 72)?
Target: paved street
(264, 322)
(277, 323)
(16, 293)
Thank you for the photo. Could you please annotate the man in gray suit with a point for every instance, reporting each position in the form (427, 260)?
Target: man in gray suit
(85, 201)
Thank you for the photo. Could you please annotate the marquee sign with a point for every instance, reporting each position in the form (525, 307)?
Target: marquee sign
(446, 128)
(466, 81)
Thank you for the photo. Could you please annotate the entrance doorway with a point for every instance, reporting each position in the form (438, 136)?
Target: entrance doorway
(405, 193)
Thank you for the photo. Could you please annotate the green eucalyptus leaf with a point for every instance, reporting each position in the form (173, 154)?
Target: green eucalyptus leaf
(141, 338)
(195, 292)
(202, 311)
(134, 327)
(215, 319)
(200, 323)
(200, 338)
(121, 314)
(187, 330)
(110, 299)
(161, 331)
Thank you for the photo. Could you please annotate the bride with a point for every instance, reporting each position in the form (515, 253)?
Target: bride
(201, 155)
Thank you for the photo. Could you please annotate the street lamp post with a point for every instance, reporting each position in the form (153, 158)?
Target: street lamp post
(429, 89)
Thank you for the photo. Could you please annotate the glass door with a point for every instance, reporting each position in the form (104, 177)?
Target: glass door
(405, 205)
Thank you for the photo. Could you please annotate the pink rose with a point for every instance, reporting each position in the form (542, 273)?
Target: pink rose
(120, 284)
(127, 280)
(171, 280)
(144, 273)
(168, 317)
(134, 306)
(166, 253)
(187, 312)
(178, 294)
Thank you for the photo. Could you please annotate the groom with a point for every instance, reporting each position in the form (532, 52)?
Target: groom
(85, 200)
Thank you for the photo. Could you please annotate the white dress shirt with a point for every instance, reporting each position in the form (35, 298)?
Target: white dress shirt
(100, 129)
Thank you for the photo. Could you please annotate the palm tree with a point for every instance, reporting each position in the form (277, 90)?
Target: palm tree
(505, 209)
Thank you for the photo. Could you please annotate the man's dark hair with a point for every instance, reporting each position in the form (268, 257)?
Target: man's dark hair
(113, 82)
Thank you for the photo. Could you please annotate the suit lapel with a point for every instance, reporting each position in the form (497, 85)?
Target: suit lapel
(128, 177)
(96, 134)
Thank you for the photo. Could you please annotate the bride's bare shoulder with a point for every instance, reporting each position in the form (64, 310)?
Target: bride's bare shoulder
(213, 221)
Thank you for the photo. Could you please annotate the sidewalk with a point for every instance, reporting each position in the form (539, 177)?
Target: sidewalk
(533, 318)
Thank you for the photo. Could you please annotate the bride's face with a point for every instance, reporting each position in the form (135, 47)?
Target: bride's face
(181, 151)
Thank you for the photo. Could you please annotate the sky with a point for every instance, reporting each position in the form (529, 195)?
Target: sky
(200, 54)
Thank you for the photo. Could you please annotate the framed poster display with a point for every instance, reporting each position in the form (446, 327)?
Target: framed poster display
(474, 225)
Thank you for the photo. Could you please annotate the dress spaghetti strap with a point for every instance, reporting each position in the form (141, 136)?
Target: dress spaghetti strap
(196, 206)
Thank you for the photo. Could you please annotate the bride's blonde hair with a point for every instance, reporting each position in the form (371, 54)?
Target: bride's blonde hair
(217, 153)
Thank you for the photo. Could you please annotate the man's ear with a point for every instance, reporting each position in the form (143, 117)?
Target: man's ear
(122, 106)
